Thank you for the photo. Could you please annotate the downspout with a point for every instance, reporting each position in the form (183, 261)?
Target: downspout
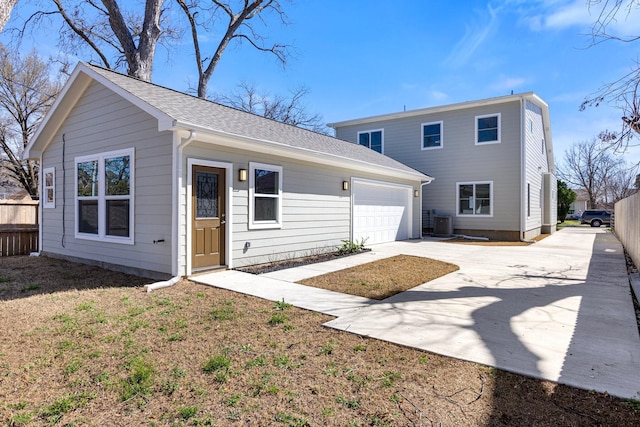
(175, 214)
(523, 173)
(422, 207)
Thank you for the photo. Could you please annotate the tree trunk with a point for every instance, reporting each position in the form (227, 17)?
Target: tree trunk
(6, 6)
(139, 58)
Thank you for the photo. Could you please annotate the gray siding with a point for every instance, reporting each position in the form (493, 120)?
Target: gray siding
(542, 200)
(316, 213)
(460, 160)
(100, 122)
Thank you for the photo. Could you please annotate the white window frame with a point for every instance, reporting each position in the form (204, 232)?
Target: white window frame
(422, 126)
(497, 141)
(474, 215)
(102, 197)
(46, 203)
(370, 132)
(273, 224)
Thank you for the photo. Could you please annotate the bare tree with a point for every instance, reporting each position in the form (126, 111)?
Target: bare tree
(619, 183)
(115, 37)
(26, 93)
(241, 25)
(622, 93)
(5, 11)
(589, 165)
(290, 110)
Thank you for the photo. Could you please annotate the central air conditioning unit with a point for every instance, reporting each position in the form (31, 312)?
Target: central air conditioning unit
(442, 226)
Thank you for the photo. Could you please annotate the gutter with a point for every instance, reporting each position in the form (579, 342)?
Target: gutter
(175, 214)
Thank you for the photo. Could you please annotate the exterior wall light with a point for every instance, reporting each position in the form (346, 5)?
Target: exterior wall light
(242, 175)
(416, 193)
(345, 185)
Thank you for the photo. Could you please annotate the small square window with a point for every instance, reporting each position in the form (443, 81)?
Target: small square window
(488, 129)
(373, 139)
(431, 135)
(265, 196)
(474, 199)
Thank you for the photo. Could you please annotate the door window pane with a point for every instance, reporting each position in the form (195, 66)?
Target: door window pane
(206, 195)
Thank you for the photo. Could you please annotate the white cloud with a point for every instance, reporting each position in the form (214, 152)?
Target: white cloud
(559, 15)
(475, 35)
(507, 83)
(575, 14)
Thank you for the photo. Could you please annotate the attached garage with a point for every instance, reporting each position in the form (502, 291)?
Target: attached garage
(381, 211)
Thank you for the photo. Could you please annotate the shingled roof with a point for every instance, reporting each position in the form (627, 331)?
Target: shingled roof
(187, 111)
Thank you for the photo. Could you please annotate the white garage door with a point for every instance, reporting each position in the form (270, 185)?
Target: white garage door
(381, 212)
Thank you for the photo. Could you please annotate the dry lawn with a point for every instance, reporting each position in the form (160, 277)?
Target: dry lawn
(382, 279)
(85, 347)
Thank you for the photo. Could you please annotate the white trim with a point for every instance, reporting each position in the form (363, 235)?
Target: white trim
(438, 122)
(408, 188)
(46, 204)
(370, 132)
(260, 225)
(474, 215)
(475, 136)
(101, 197)
(228, 167)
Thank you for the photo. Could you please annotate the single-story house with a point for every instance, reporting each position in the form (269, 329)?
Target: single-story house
(143, 179)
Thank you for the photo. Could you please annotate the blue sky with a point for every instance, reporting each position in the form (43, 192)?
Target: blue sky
(367, 57)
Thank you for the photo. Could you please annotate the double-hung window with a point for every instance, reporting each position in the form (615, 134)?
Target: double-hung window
(265, 196)
(104, 196)
(475, 198)
(488, 129)
(373, 139)
(49, 188)
(431, 135)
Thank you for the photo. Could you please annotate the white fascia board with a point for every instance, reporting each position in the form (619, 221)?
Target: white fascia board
(437, 109)
(250, 144)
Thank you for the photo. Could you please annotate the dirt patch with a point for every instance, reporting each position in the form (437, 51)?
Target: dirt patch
(90, 347)
(383, 278)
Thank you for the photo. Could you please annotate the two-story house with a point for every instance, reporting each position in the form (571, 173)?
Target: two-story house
(491, 159)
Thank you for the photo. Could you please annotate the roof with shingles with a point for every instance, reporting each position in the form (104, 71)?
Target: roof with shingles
(188, 110)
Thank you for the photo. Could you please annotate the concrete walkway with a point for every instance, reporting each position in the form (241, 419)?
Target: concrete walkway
(559, 309)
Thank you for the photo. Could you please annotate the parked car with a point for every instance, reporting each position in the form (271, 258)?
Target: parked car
(596, 217)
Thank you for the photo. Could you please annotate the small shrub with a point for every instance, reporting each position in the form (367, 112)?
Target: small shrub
(351, 247)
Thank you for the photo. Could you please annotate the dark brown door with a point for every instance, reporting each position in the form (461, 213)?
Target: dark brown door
(209, 217)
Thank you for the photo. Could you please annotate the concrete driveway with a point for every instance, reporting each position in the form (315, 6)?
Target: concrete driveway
(560, 309)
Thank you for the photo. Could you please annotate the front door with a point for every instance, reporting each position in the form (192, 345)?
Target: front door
(208, 217)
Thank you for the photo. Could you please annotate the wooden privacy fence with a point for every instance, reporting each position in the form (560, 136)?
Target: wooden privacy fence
(627, 225)
(18, 227)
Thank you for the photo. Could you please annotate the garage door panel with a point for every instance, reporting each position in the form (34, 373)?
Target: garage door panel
(381, 213)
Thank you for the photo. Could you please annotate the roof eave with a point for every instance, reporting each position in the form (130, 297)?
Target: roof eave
(437, 109)
(73, 89)
(298, 153)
